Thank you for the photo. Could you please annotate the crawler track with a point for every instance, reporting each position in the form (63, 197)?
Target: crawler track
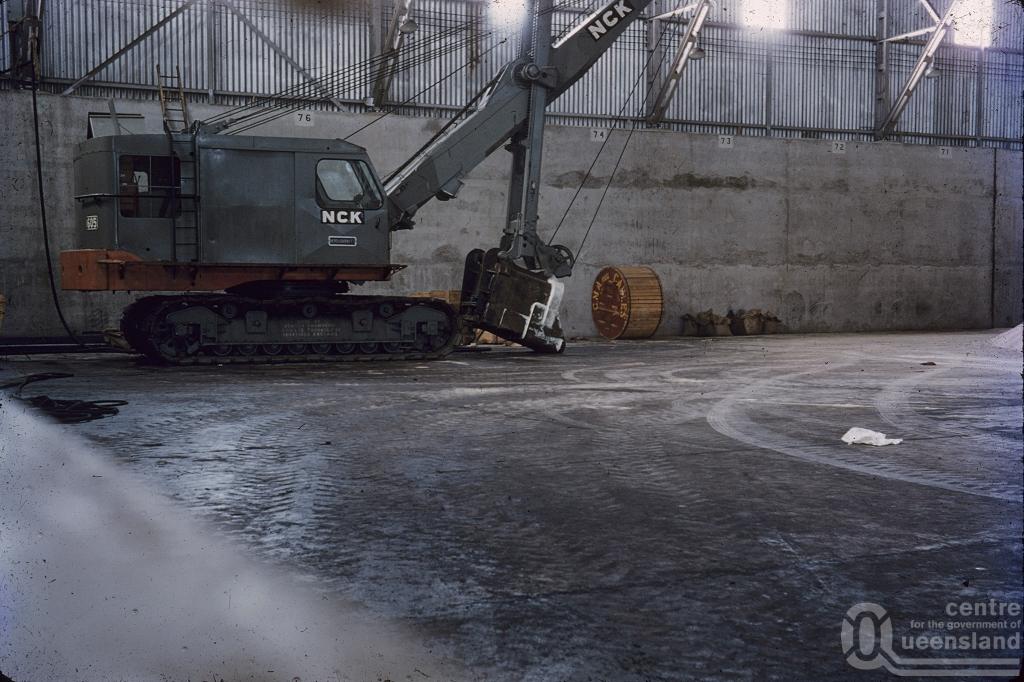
(216, 329)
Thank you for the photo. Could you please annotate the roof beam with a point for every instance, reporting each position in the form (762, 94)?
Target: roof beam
(931, 10)
(909, 34)
(680, 60)
(326, 94)
(924, 62)
(138, 39)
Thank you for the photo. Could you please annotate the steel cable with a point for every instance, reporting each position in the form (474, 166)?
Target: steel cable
(352, 77)
(273, 113)
(64, 411)
(604, 142)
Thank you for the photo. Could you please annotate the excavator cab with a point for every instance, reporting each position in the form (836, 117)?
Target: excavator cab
(228, 199)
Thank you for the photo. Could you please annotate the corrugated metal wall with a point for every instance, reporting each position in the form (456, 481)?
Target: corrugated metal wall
(814, 79)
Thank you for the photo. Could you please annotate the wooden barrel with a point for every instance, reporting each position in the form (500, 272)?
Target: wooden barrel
(626, 302)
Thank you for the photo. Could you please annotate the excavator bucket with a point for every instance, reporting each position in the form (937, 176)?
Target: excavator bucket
(512, 302)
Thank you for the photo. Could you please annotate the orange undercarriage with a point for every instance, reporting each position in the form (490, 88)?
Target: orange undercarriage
(103, 270)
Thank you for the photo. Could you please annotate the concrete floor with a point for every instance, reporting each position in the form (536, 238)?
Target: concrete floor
(669, 509)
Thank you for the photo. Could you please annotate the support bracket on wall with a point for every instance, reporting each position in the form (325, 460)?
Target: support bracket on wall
(682, 56)
(655, 56)
(883, 98)
(921, 68)
(24, 28)
(400, 25)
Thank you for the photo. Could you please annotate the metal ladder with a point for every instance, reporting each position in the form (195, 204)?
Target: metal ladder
(184, 204)
(172, 101)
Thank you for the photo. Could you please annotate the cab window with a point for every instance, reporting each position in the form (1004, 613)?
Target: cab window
(346, 184)
(145, 184)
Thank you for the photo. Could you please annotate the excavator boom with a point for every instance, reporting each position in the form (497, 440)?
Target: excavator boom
(437, 170)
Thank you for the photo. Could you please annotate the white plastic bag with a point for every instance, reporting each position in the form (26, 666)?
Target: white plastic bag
(868, 437)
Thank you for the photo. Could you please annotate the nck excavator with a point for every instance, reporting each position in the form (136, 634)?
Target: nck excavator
(255, 241)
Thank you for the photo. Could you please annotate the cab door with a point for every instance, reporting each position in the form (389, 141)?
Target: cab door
(340, 215)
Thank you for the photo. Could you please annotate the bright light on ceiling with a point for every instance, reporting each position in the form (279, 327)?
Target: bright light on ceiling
(763, 13)
(506, 14)
(972, 21)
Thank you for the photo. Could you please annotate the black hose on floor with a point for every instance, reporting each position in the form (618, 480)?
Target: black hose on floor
(64, 411)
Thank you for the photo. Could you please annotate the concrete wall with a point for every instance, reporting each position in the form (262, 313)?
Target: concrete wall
(1008, 239)
(883, 237)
